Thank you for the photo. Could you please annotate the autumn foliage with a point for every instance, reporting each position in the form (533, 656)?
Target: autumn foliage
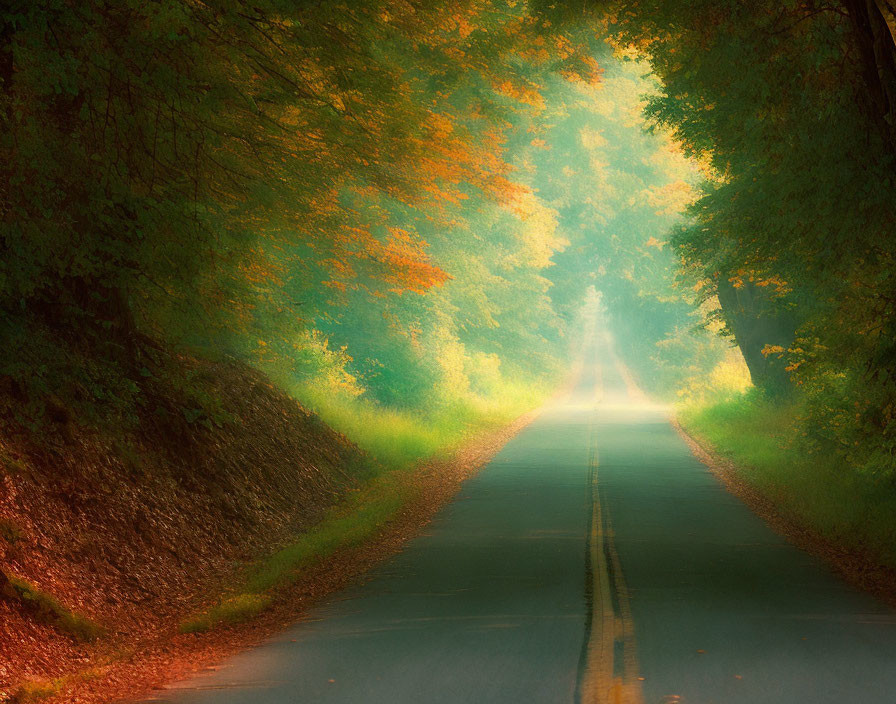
(227, 176)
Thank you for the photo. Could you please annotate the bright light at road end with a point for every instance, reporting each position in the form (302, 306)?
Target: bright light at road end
(635, 407)
(610, 404)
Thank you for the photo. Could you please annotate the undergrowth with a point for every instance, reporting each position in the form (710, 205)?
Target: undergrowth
(399, 438)
(229, 611)
(351, 523)
(35, 690)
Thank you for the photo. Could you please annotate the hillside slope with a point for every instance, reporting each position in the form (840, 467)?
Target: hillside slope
(107, 539)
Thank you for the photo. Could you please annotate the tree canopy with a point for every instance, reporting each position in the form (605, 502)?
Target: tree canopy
(790, 108)
(408, 202)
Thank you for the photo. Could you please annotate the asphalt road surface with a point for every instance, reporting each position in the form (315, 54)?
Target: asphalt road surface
(593, 560)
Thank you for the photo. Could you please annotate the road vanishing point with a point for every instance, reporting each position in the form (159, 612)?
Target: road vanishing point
(595, 560)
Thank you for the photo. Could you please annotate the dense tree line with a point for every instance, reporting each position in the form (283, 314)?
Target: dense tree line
(344, 195)
(790, 107)
(407, 202)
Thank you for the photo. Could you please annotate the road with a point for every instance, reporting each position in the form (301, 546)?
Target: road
(593, 560)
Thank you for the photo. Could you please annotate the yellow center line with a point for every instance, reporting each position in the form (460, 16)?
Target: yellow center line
(629, 689)
(600, 684)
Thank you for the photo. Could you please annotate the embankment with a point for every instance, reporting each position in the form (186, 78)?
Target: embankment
(107, 542)
(131, 558)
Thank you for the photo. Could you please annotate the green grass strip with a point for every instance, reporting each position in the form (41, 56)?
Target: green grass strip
(818, 490)
(36, 690)
(354, 521)
(49, 609)
(397, 441)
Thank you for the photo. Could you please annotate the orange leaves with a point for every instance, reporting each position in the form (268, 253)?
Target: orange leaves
(776, 281)
(340, 268)
(408, 266)
(464, 27)
(505, 190)
(448, 162)
(259, 269)
(520, 90)
(403, 134)
(396, 262)
(563, 47)
(584, 69)
(755, 278)
(441, 125)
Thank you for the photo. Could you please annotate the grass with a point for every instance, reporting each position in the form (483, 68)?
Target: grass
(50, 610)
(397, 441)
(349, 524)
(36, 690)
(362, 515)
(819, 491)
(231, 610)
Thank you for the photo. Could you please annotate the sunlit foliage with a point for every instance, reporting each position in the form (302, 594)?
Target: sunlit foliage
(402, 204)
(790, 108)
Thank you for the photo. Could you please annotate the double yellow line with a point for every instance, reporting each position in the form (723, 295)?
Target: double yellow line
(609, 676)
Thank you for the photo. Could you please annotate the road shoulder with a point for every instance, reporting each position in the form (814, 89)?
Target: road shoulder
(855, 568)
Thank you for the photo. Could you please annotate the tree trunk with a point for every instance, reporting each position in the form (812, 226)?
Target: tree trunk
(6, 65)
(756, 322)
(874, 23)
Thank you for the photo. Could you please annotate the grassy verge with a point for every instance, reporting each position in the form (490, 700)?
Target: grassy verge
(397, 441)
(46, 607)
(355, 520)
(36, 690)
(818, 491)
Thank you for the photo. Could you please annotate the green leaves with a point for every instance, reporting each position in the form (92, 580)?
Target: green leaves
(777, 100)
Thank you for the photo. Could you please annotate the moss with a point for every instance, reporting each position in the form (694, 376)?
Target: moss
(36, 690)
(46, 607)
(230, 611)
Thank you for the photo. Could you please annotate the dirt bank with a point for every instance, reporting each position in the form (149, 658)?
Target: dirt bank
(107, 541)
(134, 535)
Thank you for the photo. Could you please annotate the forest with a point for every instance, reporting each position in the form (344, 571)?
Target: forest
(235, 233)
(403, 207)
(387, 211)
